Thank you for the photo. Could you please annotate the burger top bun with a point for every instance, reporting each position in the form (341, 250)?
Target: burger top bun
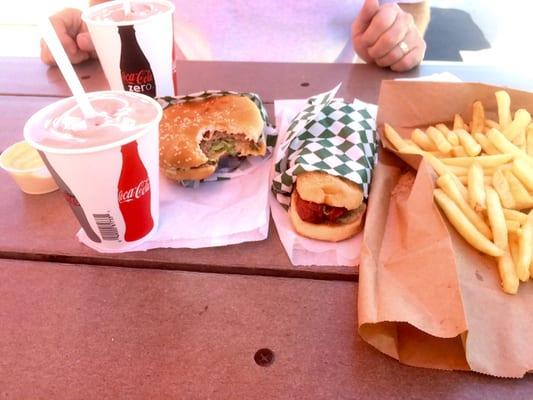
(184, 125)
(322, 188)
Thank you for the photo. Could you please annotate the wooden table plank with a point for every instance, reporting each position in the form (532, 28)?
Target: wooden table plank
(288, 81)
(15, 111)
(42, 227)
(272, 81)
(78, 331)
(51, 226)
(28, 76)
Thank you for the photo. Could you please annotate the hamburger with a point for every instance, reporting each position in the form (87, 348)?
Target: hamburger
(195, 135)
(326, 207)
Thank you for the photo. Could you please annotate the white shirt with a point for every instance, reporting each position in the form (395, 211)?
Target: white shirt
(267, 30)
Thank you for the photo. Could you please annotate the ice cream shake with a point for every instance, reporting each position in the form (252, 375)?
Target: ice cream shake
(106, 166)
(116, 11)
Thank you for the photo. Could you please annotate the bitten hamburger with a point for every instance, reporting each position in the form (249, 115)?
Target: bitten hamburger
(194, 135)
(326, 207)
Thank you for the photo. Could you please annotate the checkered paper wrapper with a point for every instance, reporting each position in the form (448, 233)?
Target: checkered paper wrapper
(231, 208)
(228, 167)
(325, 134)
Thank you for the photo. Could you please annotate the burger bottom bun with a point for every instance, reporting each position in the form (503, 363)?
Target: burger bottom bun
(197, 173)
(350, 226)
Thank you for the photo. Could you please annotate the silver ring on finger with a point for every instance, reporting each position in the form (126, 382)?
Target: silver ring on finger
(403, 47)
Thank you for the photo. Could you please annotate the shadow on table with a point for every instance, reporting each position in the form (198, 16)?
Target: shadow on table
(449, 31)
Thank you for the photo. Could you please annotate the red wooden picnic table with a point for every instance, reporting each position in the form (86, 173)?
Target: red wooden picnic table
(226, 322)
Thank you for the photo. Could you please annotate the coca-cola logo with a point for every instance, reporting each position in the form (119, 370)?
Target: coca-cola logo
(141, 77)
(125, 196)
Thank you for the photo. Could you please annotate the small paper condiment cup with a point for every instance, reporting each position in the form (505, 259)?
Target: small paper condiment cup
(27, 169)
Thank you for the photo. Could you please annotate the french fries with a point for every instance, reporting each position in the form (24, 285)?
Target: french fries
(458, 151)
(450, 135)
(518, 126)
(476, 188)
(484, 161)
(514, 248)
(497, 219)
(439, 139)
(524, 172)
(423, 141)
(504, 108)
(464, 180)
(489, 123)
(504, 145)
(472, 147)
(521, 197)
(394, 137)
(486, 144)
(464, 226)
(450, 187)
(484, 182)
(508, 275)
(525, 251)
(529, 139)
(478, 117)
(502, 187)
(458, 122)
(512, 226)
(513, 215)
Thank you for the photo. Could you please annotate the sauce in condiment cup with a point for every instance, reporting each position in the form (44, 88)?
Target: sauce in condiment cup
(27, 169)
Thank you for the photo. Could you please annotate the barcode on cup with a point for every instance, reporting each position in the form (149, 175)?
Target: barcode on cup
(106, 226)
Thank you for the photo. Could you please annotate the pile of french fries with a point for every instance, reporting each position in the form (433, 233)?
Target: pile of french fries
(485, 182)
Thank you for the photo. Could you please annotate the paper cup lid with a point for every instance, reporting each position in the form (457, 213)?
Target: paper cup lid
(37, 120)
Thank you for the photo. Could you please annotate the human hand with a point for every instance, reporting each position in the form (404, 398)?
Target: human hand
(387, 36)
(73, 35)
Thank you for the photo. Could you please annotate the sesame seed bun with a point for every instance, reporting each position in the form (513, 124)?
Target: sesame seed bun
(197, 173)
(185, 125)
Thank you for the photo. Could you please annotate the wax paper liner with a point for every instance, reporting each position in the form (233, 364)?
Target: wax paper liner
(425, 296)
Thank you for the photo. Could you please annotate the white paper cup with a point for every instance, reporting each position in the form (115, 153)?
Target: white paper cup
(113, 188)
(136, 53)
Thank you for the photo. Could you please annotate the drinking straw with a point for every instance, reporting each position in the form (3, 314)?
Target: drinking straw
(127, 7)
(62, 61)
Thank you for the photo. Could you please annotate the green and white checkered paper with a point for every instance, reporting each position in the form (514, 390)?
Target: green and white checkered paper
(331, 136)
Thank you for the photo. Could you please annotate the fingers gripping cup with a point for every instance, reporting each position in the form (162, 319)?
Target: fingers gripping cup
(107, 166)
(135, 45)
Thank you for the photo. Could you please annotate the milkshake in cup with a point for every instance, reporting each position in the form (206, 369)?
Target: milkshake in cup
(107, 166)
(135, 48)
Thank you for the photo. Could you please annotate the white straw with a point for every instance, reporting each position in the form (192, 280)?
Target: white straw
(127, 7)
(62, 61)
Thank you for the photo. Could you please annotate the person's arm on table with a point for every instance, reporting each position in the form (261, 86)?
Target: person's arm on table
(391, 35)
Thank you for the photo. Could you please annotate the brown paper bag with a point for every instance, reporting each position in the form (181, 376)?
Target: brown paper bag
(426, 297)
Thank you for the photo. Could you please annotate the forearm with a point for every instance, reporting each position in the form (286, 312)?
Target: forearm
(420, 13)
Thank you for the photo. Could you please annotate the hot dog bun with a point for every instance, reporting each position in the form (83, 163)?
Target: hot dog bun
(323, 195)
